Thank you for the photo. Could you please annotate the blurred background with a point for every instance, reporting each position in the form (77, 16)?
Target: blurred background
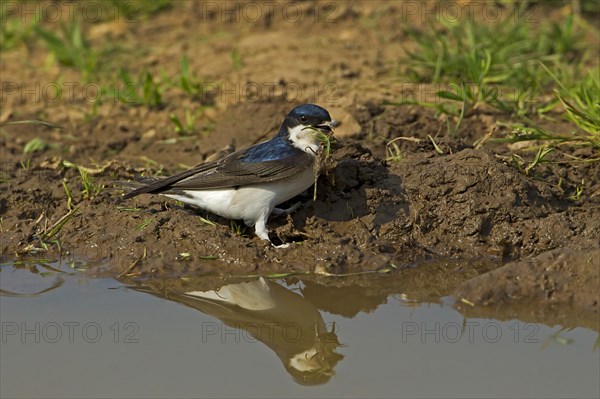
(113, 73)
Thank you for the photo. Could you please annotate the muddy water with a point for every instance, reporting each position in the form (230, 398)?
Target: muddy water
(66, 335)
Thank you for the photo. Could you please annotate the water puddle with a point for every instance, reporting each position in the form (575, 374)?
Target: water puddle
(66, 335)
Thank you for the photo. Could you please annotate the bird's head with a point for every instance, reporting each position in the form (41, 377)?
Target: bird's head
(306, 126)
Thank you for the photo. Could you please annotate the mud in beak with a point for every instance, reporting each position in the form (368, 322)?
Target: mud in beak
(326, 127)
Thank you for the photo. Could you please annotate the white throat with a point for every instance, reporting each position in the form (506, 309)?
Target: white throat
(303, 137)
(306, 361)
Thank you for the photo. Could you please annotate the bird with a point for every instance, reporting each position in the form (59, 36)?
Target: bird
(248, 184)
(266, 312)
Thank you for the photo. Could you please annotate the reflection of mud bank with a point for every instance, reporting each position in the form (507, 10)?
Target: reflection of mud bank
(559, 277)
(289, 322)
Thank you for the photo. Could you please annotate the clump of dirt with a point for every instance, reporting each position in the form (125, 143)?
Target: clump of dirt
(473, 203)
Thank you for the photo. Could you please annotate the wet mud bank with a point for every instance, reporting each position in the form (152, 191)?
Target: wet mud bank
(371, 215)
(402, 203)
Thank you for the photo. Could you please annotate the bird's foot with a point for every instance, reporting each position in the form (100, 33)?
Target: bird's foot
(262, 232)
(279, 212)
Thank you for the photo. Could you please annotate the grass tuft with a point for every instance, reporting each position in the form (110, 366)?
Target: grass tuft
(70, 48)
(34, 145)
(89, 188)
(522, 71)
(582, 105)
(144, 90)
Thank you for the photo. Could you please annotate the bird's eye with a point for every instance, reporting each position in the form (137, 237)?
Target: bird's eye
(303, 119)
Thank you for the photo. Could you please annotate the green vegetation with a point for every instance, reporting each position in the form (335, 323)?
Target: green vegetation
(539, 158)
(144, 224)
(70, 48)
(34, 145)
(144, 90)
(236, 59)
(187, 127)
(393, 151)
(89, 188)
(435, 145)
(238, 228)
(137, 9)
(189, 83)
(206, 221)
(578, 191)
(495, 64)
(69, 196)
(581, 102)
(68, 45)
(48, 234)
(26, 164)
(519, 70)
(15, 32)
(128, 208)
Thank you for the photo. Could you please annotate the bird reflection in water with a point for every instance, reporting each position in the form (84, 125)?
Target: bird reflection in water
(286, 322)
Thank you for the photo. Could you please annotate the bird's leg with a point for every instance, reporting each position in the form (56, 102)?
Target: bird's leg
(260, 228)
(279, 212)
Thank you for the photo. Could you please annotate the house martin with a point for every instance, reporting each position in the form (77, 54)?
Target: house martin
(250, 183)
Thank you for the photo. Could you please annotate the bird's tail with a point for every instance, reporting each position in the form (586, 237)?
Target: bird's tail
(132, 186)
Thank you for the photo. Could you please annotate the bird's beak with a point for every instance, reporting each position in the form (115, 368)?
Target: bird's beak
(326, 126)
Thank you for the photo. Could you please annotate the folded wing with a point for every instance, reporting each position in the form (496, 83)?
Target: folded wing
(231, 171)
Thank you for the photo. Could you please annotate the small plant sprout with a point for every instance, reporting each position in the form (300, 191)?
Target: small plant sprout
(143, 225)
(143, 91)
(239, 229)
(539, 158)
(50, 232)
(15, 32)
(578, 191)
(186, 127)
(128, 208)
(89, 188)
(35, 145)
(70, 48)
(435, 145)
(394, 152)
(26, 164)
(68, 193)
(206, 221)
(189, 83)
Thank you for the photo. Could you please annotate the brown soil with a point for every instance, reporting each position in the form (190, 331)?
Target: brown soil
(468, 220)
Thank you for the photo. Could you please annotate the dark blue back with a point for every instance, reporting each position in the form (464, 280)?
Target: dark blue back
(276, 148)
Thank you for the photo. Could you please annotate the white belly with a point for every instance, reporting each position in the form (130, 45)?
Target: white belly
(253, 295)
(248, 203)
